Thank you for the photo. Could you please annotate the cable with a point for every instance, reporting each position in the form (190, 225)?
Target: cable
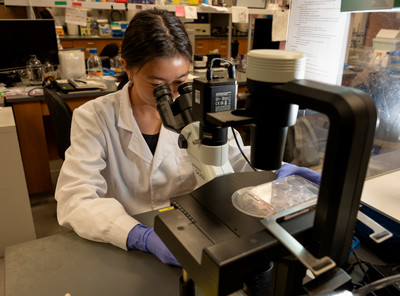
(30, 93)
(231, 69)
(379, 284)
(360, 263)
(240, 149)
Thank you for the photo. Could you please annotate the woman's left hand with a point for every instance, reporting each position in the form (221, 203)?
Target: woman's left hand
(289, 169)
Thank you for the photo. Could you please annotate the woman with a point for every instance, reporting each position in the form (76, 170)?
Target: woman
(122, 161)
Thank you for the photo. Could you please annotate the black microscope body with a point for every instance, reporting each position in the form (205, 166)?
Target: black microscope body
(220, 247)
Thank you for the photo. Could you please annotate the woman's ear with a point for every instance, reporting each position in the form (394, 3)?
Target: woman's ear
(125, 64)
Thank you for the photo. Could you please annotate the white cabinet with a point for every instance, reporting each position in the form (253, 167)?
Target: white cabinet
(16, 221)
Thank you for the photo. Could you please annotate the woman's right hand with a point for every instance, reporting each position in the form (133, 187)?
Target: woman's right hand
(145, 239)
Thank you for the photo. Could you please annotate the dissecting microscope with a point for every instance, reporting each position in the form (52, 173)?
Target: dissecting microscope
(221, 248)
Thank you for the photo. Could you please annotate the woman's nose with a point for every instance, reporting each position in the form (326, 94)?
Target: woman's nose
(174, 92)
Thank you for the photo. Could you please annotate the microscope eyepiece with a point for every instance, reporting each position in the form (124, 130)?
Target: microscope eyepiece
(185, 88)
(162, 91)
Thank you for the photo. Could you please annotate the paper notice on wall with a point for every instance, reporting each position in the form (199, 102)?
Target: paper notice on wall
(76, 16)
(191, 12)
(319, 30)
(279, 25)
(240, 15)
(180, 11)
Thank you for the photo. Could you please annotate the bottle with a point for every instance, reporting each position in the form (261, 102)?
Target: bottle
(117, 65)
(385, 60)
(377, 60)
(394, 64)
(35, 70)
(94, 65)
(48, 71)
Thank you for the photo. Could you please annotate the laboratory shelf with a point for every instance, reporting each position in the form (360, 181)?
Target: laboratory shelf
(130, 6)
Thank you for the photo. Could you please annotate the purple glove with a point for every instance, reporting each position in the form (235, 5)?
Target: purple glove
(145, 239)
(290, 169)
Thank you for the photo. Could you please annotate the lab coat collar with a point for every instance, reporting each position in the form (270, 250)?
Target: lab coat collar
(125, 116)
(127, 121)
(169, 142)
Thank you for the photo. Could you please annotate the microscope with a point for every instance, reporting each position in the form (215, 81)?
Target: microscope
(222, 249)
(205, 143)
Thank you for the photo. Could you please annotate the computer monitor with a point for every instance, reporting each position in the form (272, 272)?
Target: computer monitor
(22, 37)
(263, 34)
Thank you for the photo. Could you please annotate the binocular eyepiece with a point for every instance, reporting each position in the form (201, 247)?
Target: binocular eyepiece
(175, 114)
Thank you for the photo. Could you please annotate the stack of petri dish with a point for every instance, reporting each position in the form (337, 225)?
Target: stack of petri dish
(275, 66)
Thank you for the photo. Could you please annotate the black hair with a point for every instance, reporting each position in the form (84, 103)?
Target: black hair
(154, 33)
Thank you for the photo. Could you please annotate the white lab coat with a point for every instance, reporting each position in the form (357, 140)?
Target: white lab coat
(109, 172)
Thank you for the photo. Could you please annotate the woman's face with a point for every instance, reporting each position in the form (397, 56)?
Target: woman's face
(161, 71)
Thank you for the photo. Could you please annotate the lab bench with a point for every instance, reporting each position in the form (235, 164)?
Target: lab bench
(65, 263)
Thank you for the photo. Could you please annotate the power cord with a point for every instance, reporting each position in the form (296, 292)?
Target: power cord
(240, 149)
(360, 264)
(31, 92)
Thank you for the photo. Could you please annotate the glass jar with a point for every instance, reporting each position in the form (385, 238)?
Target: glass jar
(35, 70)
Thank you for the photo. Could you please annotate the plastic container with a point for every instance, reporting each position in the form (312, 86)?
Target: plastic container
(385, 60)
(275, 66)
(377, 60)
(116, 64)
(124, 25)
(94, 66)
(273, 197)
(104, 28)
(35, 70)
(72, 64)
(49, 71)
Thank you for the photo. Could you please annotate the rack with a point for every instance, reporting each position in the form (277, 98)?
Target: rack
(128, 6)
(270, 8)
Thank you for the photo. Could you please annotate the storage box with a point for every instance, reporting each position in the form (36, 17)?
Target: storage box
(384, 44)
(199, 29)
(60, 31)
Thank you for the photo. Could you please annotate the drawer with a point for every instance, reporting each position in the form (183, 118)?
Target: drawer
(67, 43)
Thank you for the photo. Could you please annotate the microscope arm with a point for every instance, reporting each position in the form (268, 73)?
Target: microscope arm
(208, 161)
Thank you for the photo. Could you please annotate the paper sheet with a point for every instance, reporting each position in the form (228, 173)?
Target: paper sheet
(280, 24)
(191, 12)
(240, 15)
(319, 30)
(76, 16)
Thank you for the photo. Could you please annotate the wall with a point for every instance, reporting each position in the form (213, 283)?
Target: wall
(382, 20)
(12, 12)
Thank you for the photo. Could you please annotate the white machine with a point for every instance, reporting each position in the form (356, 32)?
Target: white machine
(16, 221)
(206, 144)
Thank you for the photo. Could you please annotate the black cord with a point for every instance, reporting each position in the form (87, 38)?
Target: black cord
(231, 69)
(360, 263)
(240, 149)
(31, 91)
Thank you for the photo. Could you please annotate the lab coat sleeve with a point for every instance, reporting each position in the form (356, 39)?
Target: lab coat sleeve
(81, 187)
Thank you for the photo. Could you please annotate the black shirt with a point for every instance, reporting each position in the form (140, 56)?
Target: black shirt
(151, 141)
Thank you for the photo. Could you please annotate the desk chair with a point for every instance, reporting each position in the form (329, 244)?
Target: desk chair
(60, 117)
(109, 51)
